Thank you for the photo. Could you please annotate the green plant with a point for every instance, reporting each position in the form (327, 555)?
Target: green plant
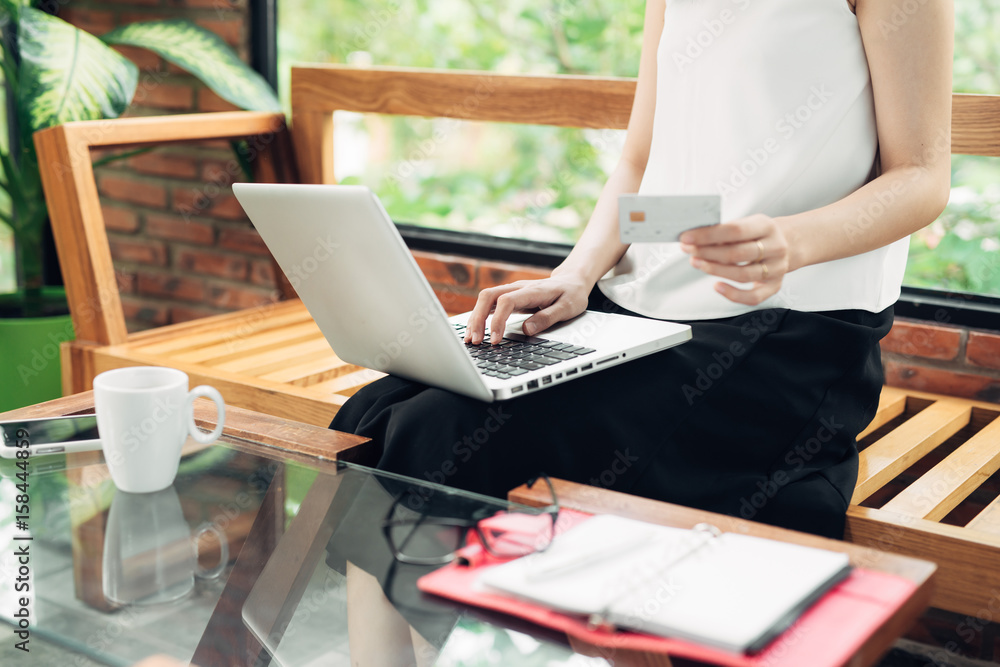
(57, 73)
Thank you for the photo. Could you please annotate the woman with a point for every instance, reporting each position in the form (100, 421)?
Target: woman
(825, 127)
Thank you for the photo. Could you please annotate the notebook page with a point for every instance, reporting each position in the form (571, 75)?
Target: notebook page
(588, 566)
(731, 594)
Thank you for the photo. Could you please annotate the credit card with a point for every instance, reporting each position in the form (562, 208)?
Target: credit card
(662, 218)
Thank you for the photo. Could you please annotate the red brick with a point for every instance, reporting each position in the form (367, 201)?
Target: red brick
(171, 287)
(446, 269)
(238, 298)
(218, 5)
(159, 164)
(221, 172)
(941, 381)
(262, 273)
(147, 3)
(136, 192)
(135, 17)
(144, 59)
(923, 340)
(983, 349)
(242, 240)
(120, 219)
(208, 200)
(230, 30)
(126, 282)
(498, 273)
(214, 144)
(139, 251)
(93, 21)
(146, 313)
(188, 313)
(160, 95)
(209, 101)
(212, 263)
(455, 302)
(176, 229)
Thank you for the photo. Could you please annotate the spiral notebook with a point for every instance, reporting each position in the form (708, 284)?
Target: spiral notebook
(730, 591)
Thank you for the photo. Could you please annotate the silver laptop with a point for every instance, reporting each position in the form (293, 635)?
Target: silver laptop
(355, 275)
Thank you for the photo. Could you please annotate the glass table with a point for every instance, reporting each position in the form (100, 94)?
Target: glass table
(271, 547)
(244, 560)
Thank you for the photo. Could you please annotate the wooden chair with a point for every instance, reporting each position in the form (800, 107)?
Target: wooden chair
(924, 458)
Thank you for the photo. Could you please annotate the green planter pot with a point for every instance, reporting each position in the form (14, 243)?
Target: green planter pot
(30, 369)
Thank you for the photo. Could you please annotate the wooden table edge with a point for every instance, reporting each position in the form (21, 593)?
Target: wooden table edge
(256, 432)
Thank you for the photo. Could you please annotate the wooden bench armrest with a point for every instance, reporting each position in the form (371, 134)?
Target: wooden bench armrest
(75, 206)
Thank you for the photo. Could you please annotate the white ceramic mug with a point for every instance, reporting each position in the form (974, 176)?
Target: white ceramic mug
(150, 555)
(144, 415)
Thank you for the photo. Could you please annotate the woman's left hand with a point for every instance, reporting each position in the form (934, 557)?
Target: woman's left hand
(748, 250)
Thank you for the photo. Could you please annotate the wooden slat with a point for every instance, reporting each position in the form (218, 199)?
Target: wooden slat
(566, 101)
(943, 487)
(176, 338)
(898, 450)
(987, 521)
(273, 398)
(312, 372)
(313, 138)
(254, 343)
(967, 576)
(257, 365)
(891, 404)
(146, 130)
(81, 239)
(975, 124)
(349, 384)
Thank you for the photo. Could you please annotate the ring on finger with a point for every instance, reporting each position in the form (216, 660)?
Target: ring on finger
(763, 271)
(760, 250)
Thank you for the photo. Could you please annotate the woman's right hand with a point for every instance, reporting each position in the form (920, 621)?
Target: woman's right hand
(554, 299)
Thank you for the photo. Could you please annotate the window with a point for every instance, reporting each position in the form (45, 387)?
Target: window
(507, 185)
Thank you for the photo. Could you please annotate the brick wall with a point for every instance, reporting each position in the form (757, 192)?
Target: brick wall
(943, 359)
(180, 242)
(184, 250)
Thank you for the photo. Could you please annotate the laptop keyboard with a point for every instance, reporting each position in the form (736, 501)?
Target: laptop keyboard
(516, 357)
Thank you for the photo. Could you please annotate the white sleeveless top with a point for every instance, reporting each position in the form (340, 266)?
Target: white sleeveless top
(769, 104)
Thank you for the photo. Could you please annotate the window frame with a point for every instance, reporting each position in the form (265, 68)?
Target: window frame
(933, 306)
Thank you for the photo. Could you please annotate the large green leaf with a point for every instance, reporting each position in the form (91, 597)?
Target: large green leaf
(67, 74)
(203, 54)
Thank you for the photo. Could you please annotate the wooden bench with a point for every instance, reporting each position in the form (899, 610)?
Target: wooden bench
(927, 486)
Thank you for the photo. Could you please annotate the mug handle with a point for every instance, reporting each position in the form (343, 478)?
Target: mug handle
(211, 572)
(220, 406)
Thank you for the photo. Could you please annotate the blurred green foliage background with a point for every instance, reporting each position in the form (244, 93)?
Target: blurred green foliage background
(541, 183)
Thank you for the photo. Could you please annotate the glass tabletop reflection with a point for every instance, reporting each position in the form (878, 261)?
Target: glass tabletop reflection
(253, 556)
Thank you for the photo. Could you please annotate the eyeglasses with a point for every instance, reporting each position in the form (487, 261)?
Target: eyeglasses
(417, 538)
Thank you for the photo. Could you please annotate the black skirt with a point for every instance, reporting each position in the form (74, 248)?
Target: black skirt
(755, 417)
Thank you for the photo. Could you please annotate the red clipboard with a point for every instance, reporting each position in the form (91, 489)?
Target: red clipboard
(829, 633)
